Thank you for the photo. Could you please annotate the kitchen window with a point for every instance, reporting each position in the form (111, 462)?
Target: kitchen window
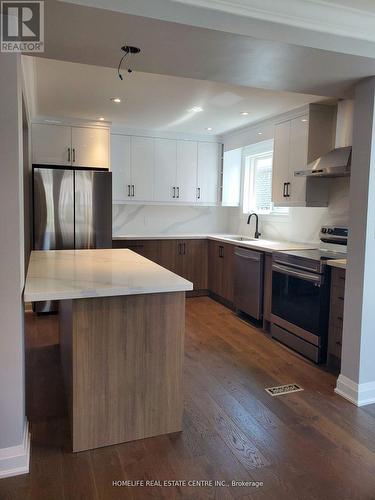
(257, 191)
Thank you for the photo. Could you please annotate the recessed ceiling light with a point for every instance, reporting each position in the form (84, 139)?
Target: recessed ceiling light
(101, 119)
(209, 129)
(260, 133)
(244, 113)
(195, 109)
(304, 120)
(115, 99)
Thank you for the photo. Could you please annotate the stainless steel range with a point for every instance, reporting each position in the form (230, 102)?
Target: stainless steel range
(300, 294)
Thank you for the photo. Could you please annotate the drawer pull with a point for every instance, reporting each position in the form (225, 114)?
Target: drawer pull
(340, 298)
(340, 318)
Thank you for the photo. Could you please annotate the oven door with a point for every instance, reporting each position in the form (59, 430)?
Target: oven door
(298, 296)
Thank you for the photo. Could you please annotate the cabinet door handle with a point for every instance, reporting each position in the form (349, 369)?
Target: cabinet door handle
(74, 155)
(174, 192)
(180, 249)
(287, 190)
(199, 193)
(340, 298)
(133, 190)
(221, 251)
(284, 191)
(69, 155)
(178, 192)
(129, 190)
(184, 248)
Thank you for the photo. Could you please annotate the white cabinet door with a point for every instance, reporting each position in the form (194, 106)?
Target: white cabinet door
(121, 168)
(90, 147)
(280, 168)
(187, 164)
(51, 144)
(209, 166)
(231, 188)
(299, 129)
(142, 168)
(165, 170)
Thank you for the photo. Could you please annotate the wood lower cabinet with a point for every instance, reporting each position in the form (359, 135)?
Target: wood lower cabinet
(336, 317)
(187, 258)
(194, 262)
(221, 269)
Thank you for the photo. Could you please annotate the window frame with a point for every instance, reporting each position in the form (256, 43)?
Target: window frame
(251, 153)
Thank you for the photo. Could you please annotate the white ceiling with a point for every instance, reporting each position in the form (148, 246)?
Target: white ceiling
(152, 101)
(94, 36)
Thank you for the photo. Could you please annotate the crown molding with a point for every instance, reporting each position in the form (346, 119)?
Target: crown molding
(316, 15)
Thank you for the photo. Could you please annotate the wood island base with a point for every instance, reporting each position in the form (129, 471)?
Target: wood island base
(122, 364)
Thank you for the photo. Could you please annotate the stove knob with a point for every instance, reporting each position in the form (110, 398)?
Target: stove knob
(324, 230)
(330, 231)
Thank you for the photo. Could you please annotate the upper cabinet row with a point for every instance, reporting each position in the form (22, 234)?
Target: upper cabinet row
(298, 142)
(165, 170)
(71, 146)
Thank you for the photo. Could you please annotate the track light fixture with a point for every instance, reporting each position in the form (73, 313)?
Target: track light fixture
(127, 49)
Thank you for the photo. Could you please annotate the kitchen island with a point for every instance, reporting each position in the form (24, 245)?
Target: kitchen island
(122, 321)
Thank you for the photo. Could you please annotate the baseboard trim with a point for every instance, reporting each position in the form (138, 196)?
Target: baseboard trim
(15, 460)
(358, 394)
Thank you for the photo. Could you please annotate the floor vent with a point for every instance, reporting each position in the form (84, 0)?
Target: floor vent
(283, 389)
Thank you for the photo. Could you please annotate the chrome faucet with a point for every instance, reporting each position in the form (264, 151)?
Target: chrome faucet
(257, 233)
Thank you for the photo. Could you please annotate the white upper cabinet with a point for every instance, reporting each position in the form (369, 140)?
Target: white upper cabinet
(186, 179)
(158, 170)
(142, 168)
(299, 131)
(121, 167)
(280, 169)
(209, 168)
(298, 142)
(90, 147)
(51, 144)
(166, 170)
(231, 180)
(64, 145)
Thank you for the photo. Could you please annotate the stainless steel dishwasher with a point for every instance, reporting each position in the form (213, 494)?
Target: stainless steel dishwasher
(248, 282)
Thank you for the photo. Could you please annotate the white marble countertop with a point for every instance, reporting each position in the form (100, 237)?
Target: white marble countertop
(73, 274)
(252, 243)
(160, 236)
(341, 263)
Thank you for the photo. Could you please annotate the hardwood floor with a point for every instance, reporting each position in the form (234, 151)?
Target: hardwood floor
(302, 446)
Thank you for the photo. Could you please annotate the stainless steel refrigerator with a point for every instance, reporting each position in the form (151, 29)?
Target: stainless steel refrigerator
(72, 209)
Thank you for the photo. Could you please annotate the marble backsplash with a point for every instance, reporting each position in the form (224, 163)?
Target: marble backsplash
(155, 219)
(302, 224)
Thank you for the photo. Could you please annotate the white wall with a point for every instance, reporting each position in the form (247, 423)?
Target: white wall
(13, 442)
(150, 219)
(357, 379)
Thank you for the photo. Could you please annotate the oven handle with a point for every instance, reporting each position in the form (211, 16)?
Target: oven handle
(313, 278)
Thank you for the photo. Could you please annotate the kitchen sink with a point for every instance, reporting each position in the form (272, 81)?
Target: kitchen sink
(240, 238)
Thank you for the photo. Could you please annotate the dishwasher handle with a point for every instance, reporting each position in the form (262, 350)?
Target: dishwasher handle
(244, 253)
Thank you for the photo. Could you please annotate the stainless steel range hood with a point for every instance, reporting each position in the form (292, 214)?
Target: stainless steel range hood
(336, 163)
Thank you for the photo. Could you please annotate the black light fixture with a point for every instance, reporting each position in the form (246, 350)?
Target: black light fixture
(127, 49)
